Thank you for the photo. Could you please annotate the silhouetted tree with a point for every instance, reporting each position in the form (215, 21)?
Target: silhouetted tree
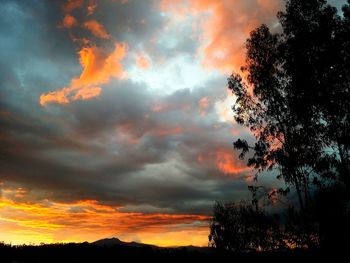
(334, 99)
(294, 97)
(316, 54)
(242, 228)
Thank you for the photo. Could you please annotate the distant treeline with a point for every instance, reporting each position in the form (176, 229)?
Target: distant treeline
(87, 252)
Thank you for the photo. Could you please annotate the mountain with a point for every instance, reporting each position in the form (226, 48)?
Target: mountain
(110, 242)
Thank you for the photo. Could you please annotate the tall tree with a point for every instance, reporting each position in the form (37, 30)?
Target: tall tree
(335, 100)
(294, 94)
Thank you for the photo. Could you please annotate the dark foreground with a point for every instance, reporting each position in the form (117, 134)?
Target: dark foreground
(122, 252)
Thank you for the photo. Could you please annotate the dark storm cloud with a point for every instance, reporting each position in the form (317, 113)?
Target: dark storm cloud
(131, 146)
(89, 163)
(29, 29)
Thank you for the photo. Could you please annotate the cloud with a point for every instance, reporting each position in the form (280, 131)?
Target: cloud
(226, 162)
(224, 25)
(97, 29)
(99, 63)
(155, 144)
(91, 7)
(69, 21)
(167, 131)
(121, 148)
(203, 105)
(71, 5)
(88, 220)
(98, 66)
(130, 154)
(142, 62)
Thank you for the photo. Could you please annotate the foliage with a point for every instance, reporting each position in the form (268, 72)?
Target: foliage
(293, 94)
(240, 227)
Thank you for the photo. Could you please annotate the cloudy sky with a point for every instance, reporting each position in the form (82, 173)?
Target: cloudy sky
(115, 117)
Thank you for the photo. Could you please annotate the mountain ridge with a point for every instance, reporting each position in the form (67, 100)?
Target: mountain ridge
(114, 241)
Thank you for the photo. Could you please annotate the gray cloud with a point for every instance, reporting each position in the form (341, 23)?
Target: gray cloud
(117, 148)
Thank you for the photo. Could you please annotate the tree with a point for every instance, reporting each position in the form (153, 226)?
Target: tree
(335, 98)
(242, 228)
(294, 95)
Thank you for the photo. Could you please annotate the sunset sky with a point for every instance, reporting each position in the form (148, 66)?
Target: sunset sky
(115, 117)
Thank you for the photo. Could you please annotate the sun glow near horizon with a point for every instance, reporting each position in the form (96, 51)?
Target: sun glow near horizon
(53, 222)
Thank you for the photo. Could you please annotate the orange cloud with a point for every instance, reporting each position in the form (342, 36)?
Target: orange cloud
(87, 93)
(70, 5)
(224, 160)
(97, 29)
(227, 164)
(88, 220)
(98, 66)
(142, 62)
(69, 21)
(59, 96)
(225, 26)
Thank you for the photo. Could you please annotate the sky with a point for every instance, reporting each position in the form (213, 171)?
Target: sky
(115, 118)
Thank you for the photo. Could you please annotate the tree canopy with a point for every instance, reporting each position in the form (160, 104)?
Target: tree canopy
(293, 94)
